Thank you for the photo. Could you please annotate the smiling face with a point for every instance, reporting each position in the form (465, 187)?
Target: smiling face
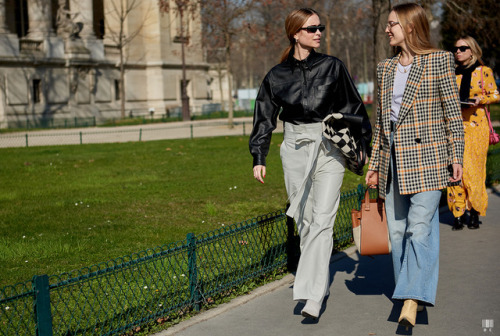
(463, 57)
(394, 31)
(308, 40)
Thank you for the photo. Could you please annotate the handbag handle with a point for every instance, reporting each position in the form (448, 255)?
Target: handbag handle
(367, 199)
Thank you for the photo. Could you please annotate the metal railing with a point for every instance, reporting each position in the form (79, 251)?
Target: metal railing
(124, 133)
(115, 296)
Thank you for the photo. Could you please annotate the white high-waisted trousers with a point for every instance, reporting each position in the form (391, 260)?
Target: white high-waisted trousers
(314, 170)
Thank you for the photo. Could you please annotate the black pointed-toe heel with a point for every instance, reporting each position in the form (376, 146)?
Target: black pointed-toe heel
(459, 223)
(474, 220)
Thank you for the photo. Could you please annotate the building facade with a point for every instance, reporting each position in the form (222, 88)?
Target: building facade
(60, 59)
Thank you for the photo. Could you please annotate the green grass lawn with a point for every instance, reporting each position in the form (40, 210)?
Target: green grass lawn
(67, 207)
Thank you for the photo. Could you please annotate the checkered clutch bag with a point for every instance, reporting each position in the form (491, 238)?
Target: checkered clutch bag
(336, 128)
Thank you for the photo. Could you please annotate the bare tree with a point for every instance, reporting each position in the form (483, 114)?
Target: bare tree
(223, 20)
(117, 30)
(381, 50)
(477, 18)
(184, 9)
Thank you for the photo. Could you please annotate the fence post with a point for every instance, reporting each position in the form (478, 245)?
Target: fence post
(291, 244)
(26, 139)
(361, 194)
(193, 271)
(140, 134)
(191, 126)
(43, 314)
(244, 133)
(81, 138)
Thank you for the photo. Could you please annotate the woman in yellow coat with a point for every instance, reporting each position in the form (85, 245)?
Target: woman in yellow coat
(477, 89)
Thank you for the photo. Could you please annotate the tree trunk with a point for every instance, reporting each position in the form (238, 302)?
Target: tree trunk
(122, 84)
(229, 82)
(381, 9)
(186, 116)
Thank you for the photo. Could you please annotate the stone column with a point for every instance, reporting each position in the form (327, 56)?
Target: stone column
(40, 19)
(3, 25)
(85, 11)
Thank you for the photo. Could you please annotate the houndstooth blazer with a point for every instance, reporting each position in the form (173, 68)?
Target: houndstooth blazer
(429, 134)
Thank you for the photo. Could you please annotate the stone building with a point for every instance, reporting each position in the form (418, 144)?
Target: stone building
(60, 59)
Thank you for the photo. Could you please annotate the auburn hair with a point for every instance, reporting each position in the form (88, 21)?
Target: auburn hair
(294, 21)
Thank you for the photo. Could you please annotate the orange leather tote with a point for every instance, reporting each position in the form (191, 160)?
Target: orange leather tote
(369, 227)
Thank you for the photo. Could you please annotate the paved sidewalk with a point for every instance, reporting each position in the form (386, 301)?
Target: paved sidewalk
(468, 294)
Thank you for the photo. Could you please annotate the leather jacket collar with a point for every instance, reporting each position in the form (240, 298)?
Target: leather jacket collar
(306, 63)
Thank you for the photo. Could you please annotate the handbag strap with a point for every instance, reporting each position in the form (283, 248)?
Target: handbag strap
(486, 106)
(367, 199)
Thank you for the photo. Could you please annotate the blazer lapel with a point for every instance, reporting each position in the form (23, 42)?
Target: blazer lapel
(412, 86)
(388, 85)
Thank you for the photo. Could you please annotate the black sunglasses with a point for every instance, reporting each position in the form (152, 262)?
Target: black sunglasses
(313, 29)
(461, 48)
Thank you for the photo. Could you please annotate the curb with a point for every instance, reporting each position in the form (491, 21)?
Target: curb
(287, 280)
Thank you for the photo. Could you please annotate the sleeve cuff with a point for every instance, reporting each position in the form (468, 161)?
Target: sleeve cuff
(259, 160)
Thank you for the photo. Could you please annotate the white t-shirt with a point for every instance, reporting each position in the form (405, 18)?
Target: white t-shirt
(402, 73)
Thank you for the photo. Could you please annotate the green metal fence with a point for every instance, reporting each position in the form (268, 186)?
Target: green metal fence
(115, 296)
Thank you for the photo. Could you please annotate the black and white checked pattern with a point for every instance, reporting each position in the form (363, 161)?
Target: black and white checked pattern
(335, 129)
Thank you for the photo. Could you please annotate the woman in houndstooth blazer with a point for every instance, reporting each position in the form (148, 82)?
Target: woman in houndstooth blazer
(417, 151)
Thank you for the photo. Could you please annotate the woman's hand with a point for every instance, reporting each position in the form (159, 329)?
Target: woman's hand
(457, 172)
(476, 101)
(259, 172)
(371, 178)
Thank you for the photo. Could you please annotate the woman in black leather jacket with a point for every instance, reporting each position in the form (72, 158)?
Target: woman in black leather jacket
(302, 90)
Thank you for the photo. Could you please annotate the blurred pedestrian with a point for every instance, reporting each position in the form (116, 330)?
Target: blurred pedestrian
(302, 90)
(477, 90)
(417, 151)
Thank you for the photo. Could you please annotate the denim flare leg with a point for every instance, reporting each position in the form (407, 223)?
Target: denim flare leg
(413, 222)
(312, 161)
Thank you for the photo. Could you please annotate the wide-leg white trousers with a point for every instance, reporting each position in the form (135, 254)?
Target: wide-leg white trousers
(314, 170)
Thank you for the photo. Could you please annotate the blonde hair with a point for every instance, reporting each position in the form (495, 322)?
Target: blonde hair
(413, 20)
(476, 51)
(294, 21)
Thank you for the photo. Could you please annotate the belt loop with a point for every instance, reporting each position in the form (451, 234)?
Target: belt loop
(393, 126)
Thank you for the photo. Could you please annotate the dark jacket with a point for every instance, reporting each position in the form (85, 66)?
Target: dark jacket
(305, 92)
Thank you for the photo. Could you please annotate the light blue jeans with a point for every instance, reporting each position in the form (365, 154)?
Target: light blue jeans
(413, 222)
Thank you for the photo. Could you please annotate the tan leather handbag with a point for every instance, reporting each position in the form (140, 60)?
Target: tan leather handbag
(369, 227)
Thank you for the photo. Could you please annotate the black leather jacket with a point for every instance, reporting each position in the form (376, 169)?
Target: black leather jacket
(305, 92)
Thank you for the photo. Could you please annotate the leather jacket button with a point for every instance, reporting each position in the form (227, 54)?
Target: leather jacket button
(418, 140)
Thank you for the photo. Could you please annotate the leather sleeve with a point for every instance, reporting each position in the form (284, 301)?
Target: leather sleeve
(347, 100)
(264, 123)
